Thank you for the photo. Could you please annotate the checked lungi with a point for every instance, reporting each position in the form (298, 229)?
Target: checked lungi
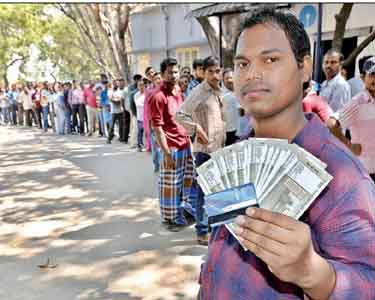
(175, 185)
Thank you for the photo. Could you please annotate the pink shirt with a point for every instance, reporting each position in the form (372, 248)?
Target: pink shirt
(89, 97)
(359, 116)
(316, 104)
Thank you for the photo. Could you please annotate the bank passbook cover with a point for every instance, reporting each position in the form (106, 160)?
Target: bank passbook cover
(223, 207)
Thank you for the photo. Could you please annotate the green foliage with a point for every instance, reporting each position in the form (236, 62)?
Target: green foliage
(23, 25)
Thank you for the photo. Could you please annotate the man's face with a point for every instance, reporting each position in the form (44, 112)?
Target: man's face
(170, 75)
(199, 72)
(183, 83)
(150, 74)
(213, 76)
(185, 72)
(369, 81)
(115, 84)
(228, 80)
(331, 65)
(121, 83)
(156, 80)
(267, 79)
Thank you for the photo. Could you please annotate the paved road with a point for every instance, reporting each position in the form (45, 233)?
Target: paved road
(91, 209)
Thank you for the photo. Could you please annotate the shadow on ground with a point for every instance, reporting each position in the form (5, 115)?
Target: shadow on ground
(90, 208)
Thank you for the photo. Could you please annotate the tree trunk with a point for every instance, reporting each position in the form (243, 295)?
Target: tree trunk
(5, 78)
(358, 50)
(341, 20)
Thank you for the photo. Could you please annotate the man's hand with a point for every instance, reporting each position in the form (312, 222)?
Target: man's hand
(332, 123)
(201, 135)
(285, 245)
(169, 162)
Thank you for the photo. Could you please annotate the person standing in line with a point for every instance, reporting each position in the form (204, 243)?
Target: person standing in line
(176, 162)
(44, 95)
(202, 116)
(20, 110)
(12, 96)
(139, 100)
(133, 89)
(198, 75)
(356, 83)
(91, 107)
(124, 130)
(116, 101)
(58, 99)
(4, 104)
(77, 108)
(183, 83)
(27, 104)
(51, 106)
(149, 87)
(68, 107)
(100, 117)
(335, 89)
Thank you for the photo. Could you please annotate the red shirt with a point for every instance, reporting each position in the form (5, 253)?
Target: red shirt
(89, 97)
(316, 104)
(164, 104)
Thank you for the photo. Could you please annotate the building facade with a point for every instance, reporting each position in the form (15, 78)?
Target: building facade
(162, 29)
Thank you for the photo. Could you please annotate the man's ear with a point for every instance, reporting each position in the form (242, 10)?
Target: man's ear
(307, 68)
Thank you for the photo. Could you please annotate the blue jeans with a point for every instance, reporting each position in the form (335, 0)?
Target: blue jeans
(201, 217)
(5, 114)
(45, 117)
(100, 117)
(155, 152)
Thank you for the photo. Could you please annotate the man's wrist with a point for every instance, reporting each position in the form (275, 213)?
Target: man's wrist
(320, 278)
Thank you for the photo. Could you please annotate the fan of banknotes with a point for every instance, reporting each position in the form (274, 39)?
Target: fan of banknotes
(283, 177)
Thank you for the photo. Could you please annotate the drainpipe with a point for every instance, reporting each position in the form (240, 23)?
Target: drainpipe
(164, 8)
(318, 49)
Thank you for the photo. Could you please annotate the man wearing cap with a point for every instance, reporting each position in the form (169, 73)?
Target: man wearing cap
(359, 116)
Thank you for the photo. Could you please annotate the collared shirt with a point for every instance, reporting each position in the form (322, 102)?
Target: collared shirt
(139, 100)
(316, 104)
(204, 107)
(192, 84)
(231, 111)
(89, 97)
(359, 116)
(342, 223)
(356, 86)
(163, 106)
(26, 100)
(336, 92)
(116, 100)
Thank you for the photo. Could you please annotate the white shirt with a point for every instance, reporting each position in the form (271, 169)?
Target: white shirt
(356, 85)
(117, 97)
(26, 100)
(230, 110)
(139, 100)
(4, 102)
(336, 92)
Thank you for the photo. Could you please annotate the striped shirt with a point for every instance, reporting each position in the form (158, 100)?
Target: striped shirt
(359, 116)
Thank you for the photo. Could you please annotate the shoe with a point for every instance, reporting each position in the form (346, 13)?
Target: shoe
(173, 227)
(202, 239)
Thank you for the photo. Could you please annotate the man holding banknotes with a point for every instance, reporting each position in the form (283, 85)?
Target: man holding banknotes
(329, 253)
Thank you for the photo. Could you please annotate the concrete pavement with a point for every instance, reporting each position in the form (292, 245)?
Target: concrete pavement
(92, 210)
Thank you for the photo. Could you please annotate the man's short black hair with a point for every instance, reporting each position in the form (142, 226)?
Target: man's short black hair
(210, 61)
(294, 30)
(334, 51)
(227, 70)
(137, 77)
(169, 61)
(198, 62)
(361, 62)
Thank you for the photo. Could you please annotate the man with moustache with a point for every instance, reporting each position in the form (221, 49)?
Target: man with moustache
(202, 115)
(359, 116)
(335, 89)
(329, 253)
(176, 162)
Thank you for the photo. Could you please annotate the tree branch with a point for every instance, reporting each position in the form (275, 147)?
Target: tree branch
(341, 20)
(358, 50)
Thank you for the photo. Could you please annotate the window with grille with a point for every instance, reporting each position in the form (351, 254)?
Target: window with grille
(186, 56)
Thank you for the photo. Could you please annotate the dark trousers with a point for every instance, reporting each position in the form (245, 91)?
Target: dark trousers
(140, 134)
(201, 219)
(115, 118)
(28, 115)
(38, 116)
(13, 114)
(78, 109)
(125, 129)
(230, 138)
(372, 176)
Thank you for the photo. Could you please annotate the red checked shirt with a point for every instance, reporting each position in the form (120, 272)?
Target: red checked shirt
(163, 105)
(342, 222)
